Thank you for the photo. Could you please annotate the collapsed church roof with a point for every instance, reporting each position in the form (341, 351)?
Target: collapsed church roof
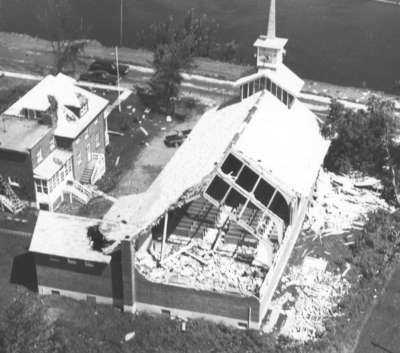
(191, 164)
(285, 143)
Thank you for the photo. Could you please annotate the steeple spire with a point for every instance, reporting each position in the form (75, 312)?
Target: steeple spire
(271, 32)
(270, 48)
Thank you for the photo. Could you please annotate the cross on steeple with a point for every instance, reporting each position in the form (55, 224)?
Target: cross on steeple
(270, 48)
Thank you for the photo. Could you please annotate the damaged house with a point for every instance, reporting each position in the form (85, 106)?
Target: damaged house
(212, 235)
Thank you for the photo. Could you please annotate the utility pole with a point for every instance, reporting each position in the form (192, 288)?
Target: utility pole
(164, 237)
(121, 20)
(118, 78)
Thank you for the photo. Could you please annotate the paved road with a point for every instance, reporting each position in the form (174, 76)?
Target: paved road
(222, 90)
(381, 334)
(210, 88)
(213, 90)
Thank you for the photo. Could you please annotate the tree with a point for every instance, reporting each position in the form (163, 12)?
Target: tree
(57, 21)
(24, 328)
(364, 141)
(174, 47)
(227, 51)
(388, 124)
(377, 244)
(201, 28)
(168, 61)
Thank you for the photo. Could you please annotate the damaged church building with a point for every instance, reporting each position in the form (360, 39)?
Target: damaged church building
(212, 235)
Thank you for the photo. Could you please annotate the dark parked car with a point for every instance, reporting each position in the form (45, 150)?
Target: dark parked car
(108, 66)
(99, 76)
(177, 139)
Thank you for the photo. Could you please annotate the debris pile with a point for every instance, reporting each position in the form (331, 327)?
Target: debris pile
(311, 295)
(97, 240)
(197, 265)
(340, 203)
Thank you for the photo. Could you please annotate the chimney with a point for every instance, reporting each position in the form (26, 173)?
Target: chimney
(53, 110)
(128, 274)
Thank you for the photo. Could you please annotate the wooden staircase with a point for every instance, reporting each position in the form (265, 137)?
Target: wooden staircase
(78, 191)
(8, 198)
(87, 175)
(94, 169)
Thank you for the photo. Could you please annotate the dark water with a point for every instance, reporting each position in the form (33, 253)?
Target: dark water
(348, 42)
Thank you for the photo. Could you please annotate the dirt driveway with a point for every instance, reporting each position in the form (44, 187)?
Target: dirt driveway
(151, 159)
(137, 144)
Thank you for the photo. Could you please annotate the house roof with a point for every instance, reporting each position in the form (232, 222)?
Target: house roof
(67, 127)
(60, 86)
(66, 236)
(19, 134)
(52, 163)
(249, 127)
(67, 94)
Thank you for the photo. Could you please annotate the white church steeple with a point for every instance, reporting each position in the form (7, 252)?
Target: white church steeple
(271, 74)
(270, 48)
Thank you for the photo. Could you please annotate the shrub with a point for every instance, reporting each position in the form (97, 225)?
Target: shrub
(109, 180)
(24, 327)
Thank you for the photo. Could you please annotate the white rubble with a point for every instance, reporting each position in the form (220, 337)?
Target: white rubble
(339, 204)
(313, 297)
(198, 266)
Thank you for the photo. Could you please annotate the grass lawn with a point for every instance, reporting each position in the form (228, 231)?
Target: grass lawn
(89, 328)
(16, 267)
(382, 330)
(11, 89)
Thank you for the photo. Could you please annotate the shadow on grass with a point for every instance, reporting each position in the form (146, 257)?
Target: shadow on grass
(23, 271)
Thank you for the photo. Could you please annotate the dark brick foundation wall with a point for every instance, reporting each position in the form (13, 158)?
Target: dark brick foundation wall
(109, 281)
(228, 305)
(128, 271)
(102, 279)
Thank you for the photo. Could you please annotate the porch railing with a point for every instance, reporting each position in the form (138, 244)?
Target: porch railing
(99, 167)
